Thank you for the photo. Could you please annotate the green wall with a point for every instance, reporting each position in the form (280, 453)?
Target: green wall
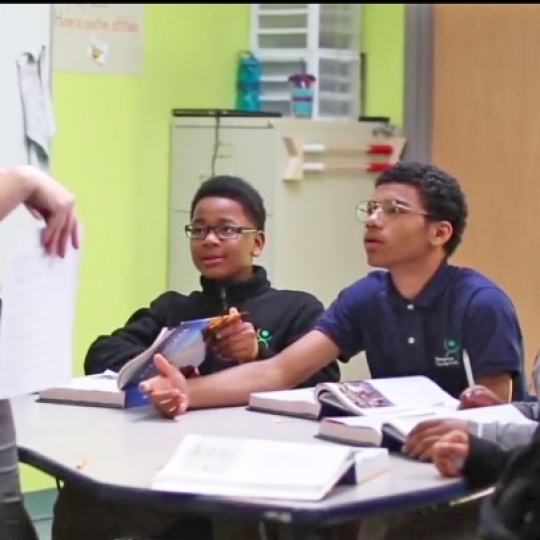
(112, 151)
(112, 146)
(383, 36)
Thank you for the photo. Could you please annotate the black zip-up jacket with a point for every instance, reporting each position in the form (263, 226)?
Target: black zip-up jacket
(512, 511)
(280, 317)
(485, 462)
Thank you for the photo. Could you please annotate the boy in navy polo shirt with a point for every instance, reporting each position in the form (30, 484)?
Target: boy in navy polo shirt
(420, 315)
(416, 316)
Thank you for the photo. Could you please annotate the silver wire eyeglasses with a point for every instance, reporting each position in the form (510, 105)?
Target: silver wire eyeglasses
(389, 208)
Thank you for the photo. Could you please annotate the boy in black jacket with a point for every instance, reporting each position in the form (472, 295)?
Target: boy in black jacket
(226, 232)
(512, 511)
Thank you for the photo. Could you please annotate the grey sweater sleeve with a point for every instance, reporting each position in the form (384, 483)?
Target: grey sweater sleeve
(509, 436)
(529, 409)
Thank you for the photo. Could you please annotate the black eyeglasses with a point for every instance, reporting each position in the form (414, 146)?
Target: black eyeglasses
(388, 208)
(223, 232)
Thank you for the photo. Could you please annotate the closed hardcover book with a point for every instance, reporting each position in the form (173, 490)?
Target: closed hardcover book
(94, 391)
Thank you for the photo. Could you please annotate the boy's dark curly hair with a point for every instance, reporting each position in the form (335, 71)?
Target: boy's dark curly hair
(440, 193)
(236, 189)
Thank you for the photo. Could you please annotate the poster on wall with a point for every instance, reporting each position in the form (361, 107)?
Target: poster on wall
(98, 38)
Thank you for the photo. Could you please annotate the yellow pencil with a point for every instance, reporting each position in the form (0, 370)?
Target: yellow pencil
(82, 463)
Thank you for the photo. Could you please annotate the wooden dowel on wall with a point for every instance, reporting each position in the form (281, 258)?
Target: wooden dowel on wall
(376, 166)
(379, 148)
(296, 150)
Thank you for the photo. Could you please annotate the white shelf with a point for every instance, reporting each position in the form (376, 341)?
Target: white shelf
(282, 31)
(274, 79)
(302, 52)
(282, 12)
(324, 39)
(275, 97)
(327, 26)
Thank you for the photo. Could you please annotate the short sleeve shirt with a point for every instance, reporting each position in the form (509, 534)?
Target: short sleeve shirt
(458, 310)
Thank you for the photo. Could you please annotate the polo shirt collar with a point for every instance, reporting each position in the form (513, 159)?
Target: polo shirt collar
(431, 291)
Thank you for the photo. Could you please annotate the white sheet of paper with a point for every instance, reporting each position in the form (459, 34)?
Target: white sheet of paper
(37, 318)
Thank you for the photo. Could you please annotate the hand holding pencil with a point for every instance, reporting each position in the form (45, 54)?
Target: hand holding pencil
(478, 396)
(234, 340)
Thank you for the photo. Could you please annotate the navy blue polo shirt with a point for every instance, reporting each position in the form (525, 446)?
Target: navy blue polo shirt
(458, 309)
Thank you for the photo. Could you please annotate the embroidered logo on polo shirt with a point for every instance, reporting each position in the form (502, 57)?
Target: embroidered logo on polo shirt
(451, 354)
(264, 337)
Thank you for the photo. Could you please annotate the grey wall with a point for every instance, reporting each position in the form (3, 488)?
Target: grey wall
(418, 80)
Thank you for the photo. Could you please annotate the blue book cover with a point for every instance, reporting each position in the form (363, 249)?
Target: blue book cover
(183, 346)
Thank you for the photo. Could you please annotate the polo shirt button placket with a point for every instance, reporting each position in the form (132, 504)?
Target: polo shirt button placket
(411, 340)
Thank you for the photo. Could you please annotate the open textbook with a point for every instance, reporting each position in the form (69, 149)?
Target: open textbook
(373, 397)
(391, 430)
(236, 467)
(184, 346)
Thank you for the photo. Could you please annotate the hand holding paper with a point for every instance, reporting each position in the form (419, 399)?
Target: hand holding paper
(46, 199)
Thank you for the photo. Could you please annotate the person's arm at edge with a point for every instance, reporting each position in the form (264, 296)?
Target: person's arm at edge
(16, 186)
(46, 199)
(232, 387)
(529, 409)
(505, 435)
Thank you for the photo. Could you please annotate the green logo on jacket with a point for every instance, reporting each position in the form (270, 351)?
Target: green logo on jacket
(264, 337)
